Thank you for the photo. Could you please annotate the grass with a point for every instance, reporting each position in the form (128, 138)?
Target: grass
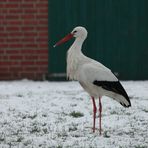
(20, 139)
(39, 121)
(145, 110)
(139, 146)
(72, 129)
(75, 114)
(59, 146)
(105, 134)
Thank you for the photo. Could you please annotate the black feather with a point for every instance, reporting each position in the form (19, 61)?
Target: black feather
(115, 87)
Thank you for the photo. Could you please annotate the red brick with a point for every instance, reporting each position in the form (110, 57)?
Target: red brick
(14, 22)
(12, 16)
(27, 5)
(8, 63)
(30, 11)
(44, 57)
(28, 51)
(3, 63)
(42, 51)
(2, 5)
(27, 28)
(43, 34)
(5, 69)
(16, 11)
(3, 34)
(13, 28)
(5, 75)
(12, 51)
(3, 0)
(40, 28)
(11, 5)
(43, 1)
(15, 45)
(31, 45)
(29, 63)
(31, 1)
(2, 28)
(28, 16)
(16, 57)
(30, 22)
(31, 57)
(5, 22)
(13, 40)
(43, 68)
(42, 5)
(30, 69)
(42, 40)
(28, 75)
(15, 0)
(43, 45)
(16, 34)
(42, 62)
(43, 22)
(30, 34)
(4, 57)
(3, 45)
(26, 40)
(2, 51)
(16, 68)
(42, 16)
(3, 11)
(2, 17)
(2, 40)
(45, 10)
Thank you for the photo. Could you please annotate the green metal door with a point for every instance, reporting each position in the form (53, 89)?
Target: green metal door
(117, 34)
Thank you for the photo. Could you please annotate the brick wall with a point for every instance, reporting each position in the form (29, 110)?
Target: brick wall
(23, 39)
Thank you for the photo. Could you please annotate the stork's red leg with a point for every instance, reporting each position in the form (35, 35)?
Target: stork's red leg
(94, 113)
(100, 115)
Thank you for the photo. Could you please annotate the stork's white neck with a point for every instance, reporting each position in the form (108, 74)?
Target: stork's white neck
(73, 58)
(77, 45)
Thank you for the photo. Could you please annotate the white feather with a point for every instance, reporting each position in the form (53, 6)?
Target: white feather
(93, 70)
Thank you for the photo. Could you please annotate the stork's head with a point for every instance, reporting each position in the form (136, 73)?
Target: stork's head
(77, 32)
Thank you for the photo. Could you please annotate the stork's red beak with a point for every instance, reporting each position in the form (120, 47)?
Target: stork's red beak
(66, 38)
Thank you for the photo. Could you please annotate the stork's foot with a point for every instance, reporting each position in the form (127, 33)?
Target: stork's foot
(93, 129)
(100, 131)
(96, 130)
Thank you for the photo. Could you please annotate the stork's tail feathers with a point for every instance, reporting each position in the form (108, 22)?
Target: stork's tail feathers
(125, 102)
(119, 92)
(125, 105)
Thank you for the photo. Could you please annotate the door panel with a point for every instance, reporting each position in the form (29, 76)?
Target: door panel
(117, 34)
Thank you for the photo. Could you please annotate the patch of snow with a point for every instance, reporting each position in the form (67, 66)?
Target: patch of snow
(38, 115)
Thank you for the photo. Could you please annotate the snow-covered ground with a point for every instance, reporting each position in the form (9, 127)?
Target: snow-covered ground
(59, 115)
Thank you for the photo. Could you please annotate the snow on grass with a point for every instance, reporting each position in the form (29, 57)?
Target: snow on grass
(59, 115)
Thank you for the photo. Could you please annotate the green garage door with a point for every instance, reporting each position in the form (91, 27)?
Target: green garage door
(117, 34)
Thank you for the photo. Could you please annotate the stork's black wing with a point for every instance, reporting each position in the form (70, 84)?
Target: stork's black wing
(115, 87)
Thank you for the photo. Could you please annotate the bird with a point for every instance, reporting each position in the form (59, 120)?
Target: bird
(96, 79)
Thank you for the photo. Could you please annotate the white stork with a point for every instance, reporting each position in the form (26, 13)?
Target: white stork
(94, 77)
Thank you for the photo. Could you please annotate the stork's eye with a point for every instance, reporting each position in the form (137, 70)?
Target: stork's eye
(75, 31)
